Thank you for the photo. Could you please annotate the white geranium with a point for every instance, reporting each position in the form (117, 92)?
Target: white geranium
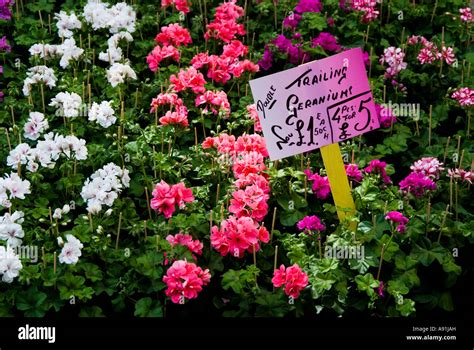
(68, 104)
(119, 72)
(10, 228)
(102, 113)
(65, 23)
(10, 264)
(35, 125)
(36, 75)
(71, 250)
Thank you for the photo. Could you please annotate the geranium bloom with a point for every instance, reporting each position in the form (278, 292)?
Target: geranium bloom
(5, 12)
(320, 185)
(224, 143)
(308, 6)
(234, 49)
(159, 54)
(397, 218)
(248, 163)
(35, 126)
(428, 166)
(292, 278)
(249, 143)
(368, 8)
(180, 117)
(295, 54)
(267, 59)
(185, 240)
(217, 98)
(417, 184)
(310, 223)
(238, 235)
(461, 174)
(465, 96)
(174, 35)
(181, 5)
(189, 78)
(71, 251)
(165, 99)
(353, 172)
(393, 56)
(466, 14)
(4, 45)
(253, 179)
(225, 26)
(166, 197)
(250, 202)
(378, 167)
(385, 115)
(10, 264)
(185, 280)
(447, 53)
(252, 112)
(10, 228)
(292, 20)
(327, 41)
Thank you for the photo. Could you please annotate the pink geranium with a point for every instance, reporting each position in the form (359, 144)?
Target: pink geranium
(353, 172)
(181, 5)
(185, 280)
(252, 111)
(428, 166)
(310, 223)
(185, 240)
(292, 278)
(378, 167)
(320, 184)
(174, 35)
(166, 197)
(251, 202)
(214, 99)
(465, 96)
(188, 79)
(397, 218)
(163, 99)
(248, 163)
(417, 184)
(159, 54)
(225, 26)
(179, 117)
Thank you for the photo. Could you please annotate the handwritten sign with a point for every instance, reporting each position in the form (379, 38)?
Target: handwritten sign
(315, 104)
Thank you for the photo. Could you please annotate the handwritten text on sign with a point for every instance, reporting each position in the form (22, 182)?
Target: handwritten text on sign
(315, 104)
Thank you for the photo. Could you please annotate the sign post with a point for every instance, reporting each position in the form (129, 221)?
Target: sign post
(317, 105)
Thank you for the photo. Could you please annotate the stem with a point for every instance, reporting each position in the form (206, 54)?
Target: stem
(443, 222)
(118, 231)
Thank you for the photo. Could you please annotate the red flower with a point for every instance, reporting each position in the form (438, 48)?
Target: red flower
(174, 35)
(159, 54)
(293, 278)
(166, 197)
(189, 78)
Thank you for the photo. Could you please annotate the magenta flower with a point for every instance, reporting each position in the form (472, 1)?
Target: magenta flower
(310, 223)
(380, 289)
(308, 6)
(378, 167)
(266, 62)
(417, 184)
(293, 278)
(320, 185)
(292, 21)
(385, 115)
(4, 45)
(353, 172)
(397, 218)
(327, 41)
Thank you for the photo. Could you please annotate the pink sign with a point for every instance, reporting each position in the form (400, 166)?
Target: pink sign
(315, 104)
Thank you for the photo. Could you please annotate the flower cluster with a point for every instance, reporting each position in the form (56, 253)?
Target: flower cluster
(185, 280)
(35, 126)
(115, 18)
(217, 99)
(237, 235)
(174, 35)
(47, 151)
(181, 5)
(104, 186)
(430, 53)
(102, 113)
(166, 197)
(320, 184)
(194, 246)
(38, 74)
(385, 115)
(71, 250)
(296, 55)
(10, 228)
(161, 53)
(114, 53)
(188, 79)
(303, 6)
(67, 103)
(393, 56)
(58, 212)
(465, 96)
(225, 26)
(292, 278)
(428, 166)
(397, 218)
(353, 172)
(310, 223)
(12, 186)
(417, 184)
(378, 167)
(327, 41)
(461, 174)
(118, 73)
(253, 114)
(5, 12)
(368, 8)
(10, 264)
(466, 15)
(66, 23)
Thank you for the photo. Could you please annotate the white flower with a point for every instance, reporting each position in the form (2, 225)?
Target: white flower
(36, 125)
(65, 23)
(118, 72)
(68, 104)
(103, 113)
(66, 209)
(57, 213)
(19, 155)
(118, 17)
(103, 187)
(69, 51)
(16, 187)
(60, 241)
(10, 264)
(38, 74)
(10, 228)
(45, 51)
(71, 250)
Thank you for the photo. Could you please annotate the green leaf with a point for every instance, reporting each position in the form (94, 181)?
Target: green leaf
(407, 307)
(233, 279)
(146, 307)
(367, 283)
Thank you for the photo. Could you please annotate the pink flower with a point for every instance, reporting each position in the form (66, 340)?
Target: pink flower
(224, 143)
(378, 167)
(353, 172)
(189, 78)
(426, 56)
(393, 56)
(238, 235)
(320, 185)
(248, 163)
(159, 54)
(293, 278)
(234, 50)
(465, 96)
(164, 99)
(310, 223)
(180, 117)
(224, 25)
(174, 35)
(292, 21)
(380, 289)
(252, 112)
(428, 166)
(218, 98)
(249, 143)
(397, 218)
(385, 115)
(466, 14)
(327, 41)
(185, 240)
(447, 54)
(251, 202)
(368, 8)
(185, 280)
(200, 60)
(461, 174)
(166, 197)
(417, 184)
(181, 5)
(253, 179)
